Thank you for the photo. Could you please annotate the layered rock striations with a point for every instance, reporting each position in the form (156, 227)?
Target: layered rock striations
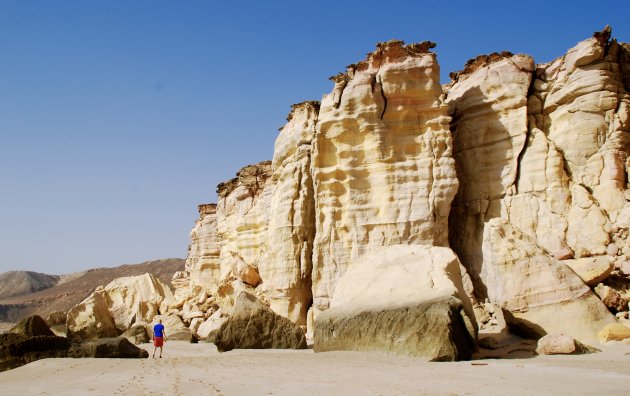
(520, 168)
(287, 266)
(544, 148)
(112, 309)
(382, 163)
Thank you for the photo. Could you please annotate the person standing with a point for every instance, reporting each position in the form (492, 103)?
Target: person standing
(159, 337)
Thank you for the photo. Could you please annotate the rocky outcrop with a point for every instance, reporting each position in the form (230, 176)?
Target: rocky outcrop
(382, 164)
(286, 269)
(407, 300)
(253, 325)
(544, 148)
(520, 168)
(112, 309)
(32, 340)
(202, 263)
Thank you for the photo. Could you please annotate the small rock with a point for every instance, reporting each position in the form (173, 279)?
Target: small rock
(612, 249)
(614, 332)
(592, 270)
(563, 254)
(611, 298)
(562, 344)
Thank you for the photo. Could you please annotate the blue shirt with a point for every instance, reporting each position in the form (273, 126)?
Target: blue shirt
(158, 330)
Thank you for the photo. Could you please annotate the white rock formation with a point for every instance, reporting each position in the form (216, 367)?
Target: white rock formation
(202, 263)
(242, 220)
(286, 269)
(539, 294)
(122, 302)
(382, 165)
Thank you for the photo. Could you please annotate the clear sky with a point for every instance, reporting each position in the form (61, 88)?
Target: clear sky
(118, 117)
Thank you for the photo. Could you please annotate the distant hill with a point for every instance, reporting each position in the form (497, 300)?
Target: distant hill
(65, 291)
(15, 283)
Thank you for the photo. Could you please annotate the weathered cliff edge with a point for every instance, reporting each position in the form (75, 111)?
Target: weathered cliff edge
(520, 168)
(405, 216)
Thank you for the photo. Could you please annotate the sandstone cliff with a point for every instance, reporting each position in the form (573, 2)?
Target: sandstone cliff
(522, 169)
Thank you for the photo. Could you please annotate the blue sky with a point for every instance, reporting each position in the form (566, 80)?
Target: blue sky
(118, 117)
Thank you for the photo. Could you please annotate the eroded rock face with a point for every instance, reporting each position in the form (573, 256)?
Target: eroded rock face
(202, 263)
(403, 299)
(382, 162)
(242, 221)
(544, 148)
(539, 153)
(286, 269)
(112, 309)
(539, 294)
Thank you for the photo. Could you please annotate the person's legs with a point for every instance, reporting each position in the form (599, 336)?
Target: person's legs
(160, 351)
(154, 348)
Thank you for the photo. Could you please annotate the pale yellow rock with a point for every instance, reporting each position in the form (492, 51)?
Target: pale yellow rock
(488, 103)
(286, 269)
(123, 302)
(202, 262)
(382, 164)
(135, 298)
(614, 332)
(91, 319)
(242, 219)
(538, 294)
(210, 325)
(591, 270)
(565, 187)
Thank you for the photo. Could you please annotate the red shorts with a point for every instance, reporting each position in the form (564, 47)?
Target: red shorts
(158, 341)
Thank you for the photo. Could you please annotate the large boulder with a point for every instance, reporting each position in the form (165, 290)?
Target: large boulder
(31, 327)
(407, 300)
(538, 294)
(562, 344)
(253, 325)
(137, 333)
(119, 348)
(112, 309)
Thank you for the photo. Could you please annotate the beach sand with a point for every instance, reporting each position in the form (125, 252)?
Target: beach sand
(198, 369)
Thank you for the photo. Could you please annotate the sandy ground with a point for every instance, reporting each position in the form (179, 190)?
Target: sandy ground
(198, 369)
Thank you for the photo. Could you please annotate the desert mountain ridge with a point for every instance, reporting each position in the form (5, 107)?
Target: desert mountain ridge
(24, 293)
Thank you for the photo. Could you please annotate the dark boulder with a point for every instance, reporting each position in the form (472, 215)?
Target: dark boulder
(31, 340)
(255, 326)
(31, 327)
